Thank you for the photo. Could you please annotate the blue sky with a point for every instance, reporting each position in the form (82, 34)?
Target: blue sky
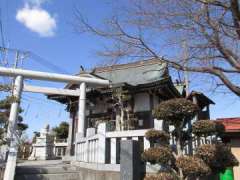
(58, 43)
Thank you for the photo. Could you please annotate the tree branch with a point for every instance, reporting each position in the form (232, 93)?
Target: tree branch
(236, 16)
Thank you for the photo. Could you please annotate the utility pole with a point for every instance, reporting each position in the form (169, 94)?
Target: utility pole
(19, 54)
(15, 65)
(185, 58)
(16, 59)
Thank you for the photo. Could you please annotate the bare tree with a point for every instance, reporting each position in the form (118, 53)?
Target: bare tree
(146, 28)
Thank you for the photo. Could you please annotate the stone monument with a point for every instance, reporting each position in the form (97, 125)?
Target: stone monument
(130, 161)
(43, 148)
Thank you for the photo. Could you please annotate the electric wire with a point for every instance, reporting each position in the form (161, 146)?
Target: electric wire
(4, 61)
(40, 60)
(36, 58)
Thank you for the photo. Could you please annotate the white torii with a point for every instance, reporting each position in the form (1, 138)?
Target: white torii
(19, 86)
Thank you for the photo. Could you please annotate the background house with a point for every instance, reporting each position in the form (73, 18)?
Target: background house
(231, 136)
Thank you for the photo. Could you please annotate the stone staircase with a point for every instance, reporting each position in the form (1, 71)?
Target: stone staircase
(58, 170)
(46, 170)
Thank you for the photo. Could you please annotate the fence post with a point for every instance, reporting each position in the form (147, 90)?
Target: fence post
(113, 153)
(101, 143)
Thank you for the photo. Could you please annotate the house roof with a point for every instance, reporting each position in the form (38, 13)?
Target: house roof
(202, 100)
(230, 124)
(135, 73)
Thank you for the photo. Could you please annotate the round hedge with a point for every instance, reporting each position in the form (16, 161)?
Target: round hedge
(217, 156)
(162, 176)
(155, 155)
(175, 110)
(207, 127)
(192, 166)
(157, 135)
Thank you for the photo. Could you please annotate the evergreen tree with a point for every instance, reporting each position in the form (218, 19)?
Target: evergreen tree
(61, 131)
(5, 105)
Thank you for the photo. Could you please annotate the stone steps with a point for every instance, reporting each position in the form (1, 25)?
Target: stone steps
(46, 171)
(59, 171)
(58, 176)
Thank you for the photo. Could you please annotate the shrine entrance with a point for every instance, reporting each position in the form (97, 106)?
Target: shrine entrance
(20, 75)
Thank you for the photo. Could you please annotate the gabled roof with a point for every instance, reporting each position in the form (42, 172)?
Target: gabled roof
(136, 73)
(201, 99)
(230, 124)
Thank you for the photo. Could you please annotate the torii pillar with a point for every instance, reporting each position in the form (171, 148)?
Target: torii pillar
(82, 110)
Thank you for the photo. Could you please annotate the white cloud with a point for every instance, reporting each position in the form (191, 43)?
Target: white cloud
(37, 20)
(36, 2)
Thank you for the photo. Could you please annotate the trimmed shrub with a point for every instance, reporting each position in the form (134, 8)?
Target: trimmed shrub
(192, 166)
(217, 156)
(207, 127)
(175, 110)
(155, 155)
(157, 135)
(162, 176)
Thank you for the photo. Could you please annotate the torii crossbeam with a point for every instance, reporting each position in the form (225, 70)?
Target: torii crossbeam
(19, 86)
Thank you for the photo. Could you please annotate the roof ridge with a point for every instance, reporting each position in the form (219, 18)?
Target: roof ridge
(128, 65)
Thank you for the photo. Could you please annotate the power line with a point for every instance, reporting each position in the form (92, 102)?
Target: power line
(4, 60)
(37, 58)
(30, 98)
(47, 63)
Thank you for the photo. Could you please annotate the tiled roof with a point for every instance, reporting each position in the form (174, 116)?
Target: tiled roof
(230, 124)
(136, 73)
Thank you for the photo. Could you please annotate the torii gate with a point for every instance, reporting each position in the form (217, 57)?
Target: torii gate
(19, 86)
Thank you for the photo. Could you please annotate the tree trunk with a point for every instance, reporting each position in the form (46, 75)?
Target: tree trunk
(179, 150)
(122, 119)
